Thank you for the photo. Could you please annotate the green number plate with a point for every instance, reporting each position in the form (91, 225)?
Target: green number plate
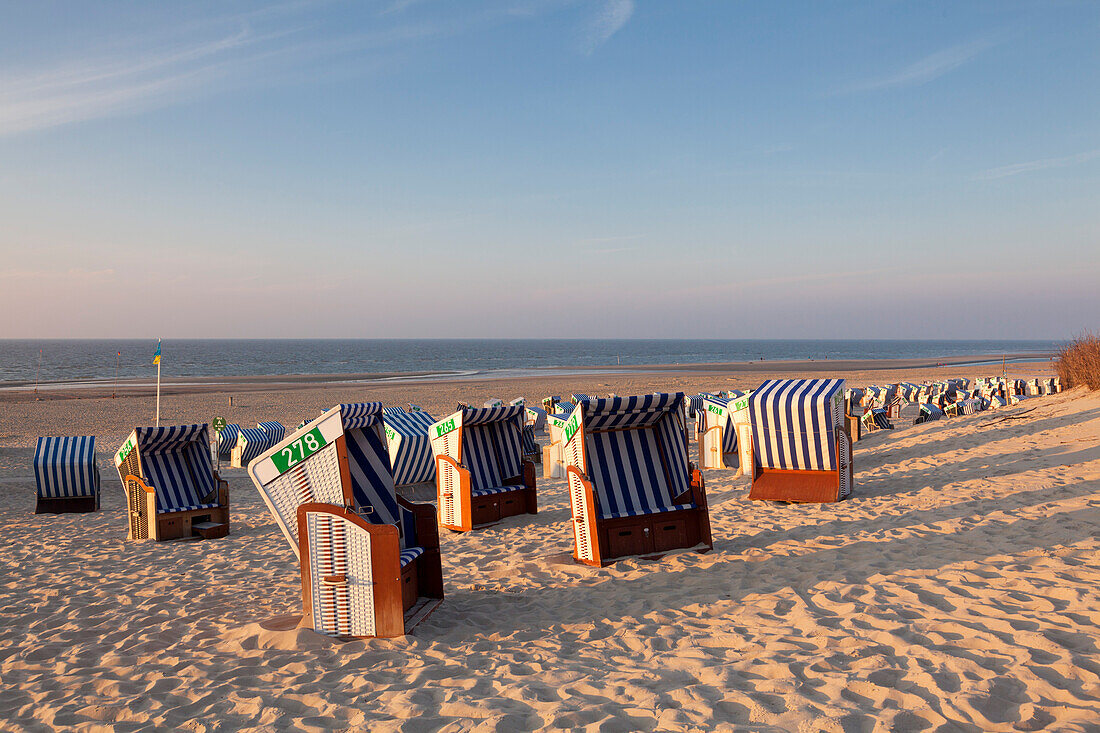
(741, 404)
(571, 428)
(445, 427)
(218, 424)
(299, 450)
(124, 451)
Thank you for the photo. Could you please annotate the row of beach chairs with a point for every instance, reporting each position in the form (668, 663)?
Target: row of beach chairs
(370, 559)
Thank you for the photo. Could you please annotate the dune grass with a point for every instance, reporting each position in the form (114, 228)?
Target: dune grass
(1078, 363)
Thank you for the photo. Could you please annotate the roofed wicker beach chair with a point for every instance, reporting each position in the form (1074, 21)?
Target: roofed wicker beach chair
(553, 457)
(717, 436)
(481, 475)
(370, 562)
(631, 487)
(227, 440)
(409, 446)
(251, 442)
(877, 419)
(801, 450)
(172, 489)
(928, 413)
(536, 417)
(66, 474)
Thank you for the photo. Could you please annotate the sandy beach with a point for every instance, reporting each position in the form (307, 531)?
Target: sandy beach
(957, 589)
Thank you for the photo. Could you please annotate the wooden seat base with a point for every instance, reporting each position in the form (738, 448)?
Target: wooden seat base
(66, 505)
(210, 530)
(492, 508)
(795, 486)
(651, 535)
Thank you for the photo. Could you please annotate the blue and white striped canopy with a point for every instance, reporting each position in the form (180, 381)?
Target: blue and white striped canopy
(729, 431)
(65, 467)
(484, 415)
(492, 445)
(793, 423)
(360, 414)
(411, 461)
(580, 397)
(537, 417)
(255, 441)
(227, 438)
(275, 430)
(175, 461)
(613, 413)
(392, 410)
(528, 437)
(636, 450)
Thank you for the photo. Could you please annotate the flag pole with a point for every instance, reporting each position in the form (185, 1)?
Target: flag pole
(158, 384)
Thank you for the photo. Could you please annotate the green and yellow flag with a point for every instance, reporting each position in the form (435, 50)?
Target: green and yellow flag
(156, 356)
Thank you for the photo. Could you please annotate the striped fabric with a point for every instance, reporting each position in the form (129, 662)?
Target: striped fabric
(564, 408)
(175, 461)
(695, 404)
(371, 479)
(581, 397)
(970, 406)
(928, 413)
(793, 423)
(879, 419)
(274, 430)
(65, 467)
(527, 436)
(393, 410)
(227, 438)
(493, 490)
(410, 449)
(855, 400)
(360, 414)
(636, 453)
(491, 451)
(254, 441)
(409, 554)
(536, 418)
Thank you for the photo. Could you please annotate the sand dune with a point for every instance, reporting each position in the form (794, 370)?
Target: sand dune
(958, 589)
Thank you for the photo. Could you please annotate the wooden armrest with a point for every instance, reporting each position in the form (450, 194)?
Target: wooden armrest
(447, 459)
(424, 517)
(148, 489)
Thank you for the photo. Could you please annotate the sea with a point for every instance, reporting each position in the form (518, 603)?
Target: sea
(96, 360)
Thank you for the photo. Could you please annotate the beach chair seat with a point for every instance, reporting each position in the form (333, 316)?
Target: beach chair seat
(172, 489)
(631, 488)
(362, 547)
(66, 475)
(801, 449)
(482, 475)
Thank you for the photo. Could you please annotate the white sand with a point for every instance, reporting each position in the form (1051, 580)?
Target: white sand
(958, 589)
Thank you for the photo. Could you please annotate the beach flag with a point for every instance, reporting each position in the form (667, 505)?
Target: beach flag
(156, 356)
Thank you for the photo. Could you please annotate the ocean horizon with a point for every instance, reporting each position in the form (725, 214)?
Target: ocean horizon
(76, 360)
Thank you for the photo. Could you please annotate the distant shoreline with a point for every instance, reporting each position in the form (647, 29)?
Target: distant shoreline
(19, 390)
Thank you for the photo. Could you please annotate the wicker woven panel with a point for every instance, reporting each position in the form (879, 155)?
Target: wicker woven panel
(317, 479)
(338, 548)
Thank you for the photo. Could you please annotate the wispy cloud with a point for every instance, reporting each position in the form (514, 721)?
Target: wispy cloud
(612, 16)
(1042, 164)
(932, 66)
(292, 45)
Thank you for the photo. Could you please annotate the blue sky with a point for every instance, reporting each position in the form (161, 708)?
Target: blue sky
(550, 168)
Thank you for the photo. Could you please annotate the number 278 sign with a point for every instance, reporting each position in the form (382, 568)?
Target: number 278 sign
(298, 450)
